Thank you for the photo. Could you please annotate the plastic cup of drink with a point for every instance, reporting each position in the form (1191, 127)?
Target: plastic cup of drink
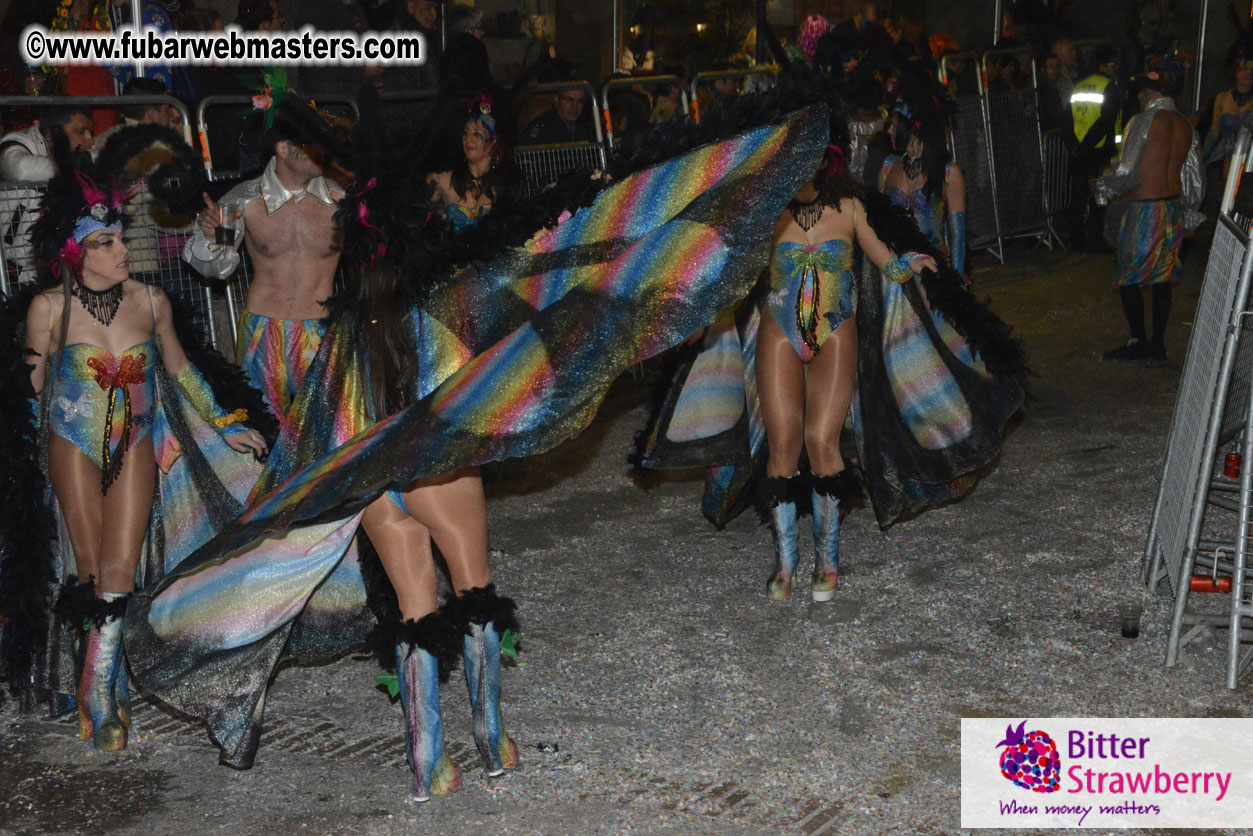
(1129, 618)
(225, 233)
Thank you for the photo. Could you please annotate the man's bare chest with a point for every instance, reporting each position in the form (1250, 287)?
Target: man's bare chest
(303, 228)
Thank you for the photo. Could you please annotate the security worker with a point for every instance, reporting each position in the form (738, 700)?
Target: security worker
(1095, 117)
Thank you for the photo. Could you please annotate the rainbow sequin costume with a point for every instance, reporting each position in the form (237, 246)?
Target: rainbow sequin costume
(104, 405)
(528, 344)
(927, 412)
(811, 291)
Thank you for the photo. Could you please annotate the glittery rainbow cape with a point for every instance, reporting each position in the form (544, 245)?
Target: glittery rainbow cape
(938, 377)
(520, 353)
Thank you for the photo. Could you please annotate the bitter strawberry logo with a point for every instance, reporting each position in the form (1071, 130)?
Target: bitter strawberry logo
(1030, 759)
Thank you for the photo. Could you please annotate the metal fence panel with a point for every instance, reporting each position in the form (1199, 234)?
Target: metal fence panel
(543, 164)
(19, 206)
(1015, 134)
(1056, 174)
(1184, 470)
(970, 151)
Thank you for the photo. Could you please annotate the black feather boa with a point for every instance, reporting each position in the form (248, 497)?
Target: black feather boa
(27, 581)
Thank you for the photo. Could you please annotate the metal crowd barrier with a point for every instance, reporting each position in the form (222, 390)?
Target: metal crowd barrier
(543, 164)
(1016, 150)
(766, 76)
(1202, 523)
(1056, 174)
(970, 143)
(636, 81)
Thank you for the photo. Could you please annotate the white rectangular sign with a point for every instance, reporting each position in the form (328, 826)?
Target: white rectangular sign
(1106, 772)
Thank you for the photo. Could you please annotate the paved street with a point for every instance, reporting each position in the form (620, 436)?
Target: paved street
(659, 692)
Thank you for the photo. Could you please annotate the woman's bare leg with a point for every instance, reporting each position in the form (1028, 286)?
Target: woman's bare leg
(404, 549)
(127, 509)
(781, 388)
(828, 395)
(76, 483)
(454, 509)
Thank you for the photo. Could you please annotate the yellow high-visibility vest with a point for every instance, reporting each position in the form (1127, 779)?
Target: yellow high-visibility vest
(1085, 107)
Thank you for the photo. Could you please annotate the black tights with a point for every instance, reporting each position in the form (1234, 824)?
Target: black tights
(1133, 308)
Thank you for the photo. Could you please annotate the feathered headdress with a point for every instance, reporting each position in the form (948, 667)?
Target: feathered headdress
(288, 116)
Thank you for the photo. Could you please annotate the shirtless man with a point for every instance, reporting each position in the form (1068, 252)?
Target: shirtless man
(1160, 172)
(285, 218)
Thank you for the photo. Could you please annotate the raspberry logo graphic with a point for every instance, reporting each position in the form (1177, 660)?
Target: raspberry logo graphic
(1030, 759)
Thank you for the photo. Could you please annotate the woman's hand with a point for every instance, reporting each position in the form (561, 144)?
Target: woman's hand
(249, 441)
(922, 262)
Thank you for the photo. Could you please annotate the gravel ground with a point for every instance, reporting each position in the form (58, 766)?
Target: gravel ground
(659, 692)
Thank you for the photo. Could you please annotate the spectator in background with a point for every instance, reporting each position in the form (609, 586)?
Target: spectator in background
(175, 78)
(1067, 67)
(330, 16)
(231, 131)
(628, 108)
(667, 101)
(422, 17)
(725, 90)
(26, 155)
(863, 25)
(568, 121)
(464, 64)
(143, 114)
(1052, 106)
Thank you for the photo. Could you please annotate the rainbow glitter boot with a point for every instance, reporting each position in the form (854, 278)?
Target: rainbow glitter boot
(828, 492)
(487, 617)
(99, 716)
(779, 497)
(423, 660)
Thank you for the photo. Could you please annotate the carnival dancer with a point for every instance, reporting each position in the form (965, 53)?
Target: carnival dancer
(118, 404)
(1159, 169)
(493, 340)
(450, 509)
(285, 217)
(933, 375)
(1231, 107)
(805, 391)
(922, 177)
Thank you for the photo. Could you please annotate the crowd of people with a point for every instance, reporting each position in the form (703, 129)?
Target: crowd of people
(480, 322)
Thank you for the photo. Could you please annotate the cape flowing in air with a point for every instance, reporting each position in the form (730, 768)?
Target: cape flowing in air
(530, 342)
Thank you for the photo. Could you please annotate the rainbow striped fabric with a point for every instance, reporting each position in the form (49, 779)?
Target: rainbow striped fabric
(519, 355)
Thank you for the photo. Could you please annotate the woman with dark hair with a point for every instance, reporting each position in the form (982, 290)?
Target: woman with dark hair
(468, 189)
(807, 362)
(921, 177)
(404, 359)
(1230, 107)
(111, 377)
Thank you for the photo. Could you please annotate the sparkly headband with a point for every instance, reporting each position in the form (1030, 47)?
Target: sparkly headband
(96, 218)
(484, 115)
